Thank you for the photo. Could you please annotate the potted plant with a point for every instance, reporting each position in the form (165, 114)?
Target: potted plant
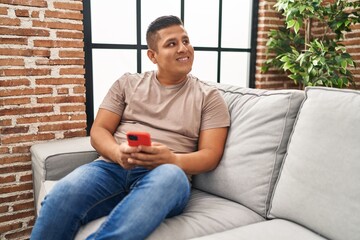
(309, 47)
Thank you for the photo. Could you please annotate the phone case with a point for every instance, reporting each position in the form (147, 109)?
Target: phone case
(138, 138)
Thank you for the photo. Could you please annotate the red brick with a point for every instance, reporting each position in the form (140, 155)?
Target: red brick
(3, 11)
(24, 52)
(17, 197)
(62, 126)
(59, 81)
(79, 89)
(28, 138)
(12, 62)
(23, 206)
(25, 110)
(71, 54)
(26, 91)
(62, 99)
(72, 108)
(5, 21)
(78, 117)
(14, 101)
(21, 149)
(14, 130)
(32, 3)
(22, 13)
(58, 25)
(14, 159)
(26, 178)
(8, 179)
(72, 71)
(69, 5)
(10, 227)
(25, 72)
(4, 150)
(62, 91)
(24, 32)
(5, 122)
(13, 169)
(4, 209)
(15, 41)
(60, 62)
(72, 134)
(63, 15)
(15, 188)
(15, 82)
(75, 35)
(43, 119)
(25, 232)
(58, 44)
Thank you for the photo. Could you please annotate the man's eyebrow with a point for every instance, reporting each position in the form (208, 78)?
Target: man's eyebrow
(170, 39)
(174, 39)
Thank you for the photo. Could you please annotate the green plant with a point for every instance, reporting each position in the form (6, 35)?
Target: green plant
(311, 59)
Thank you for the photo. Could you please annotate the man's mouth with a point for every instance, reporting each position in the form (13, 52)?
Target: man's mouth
(183, 59)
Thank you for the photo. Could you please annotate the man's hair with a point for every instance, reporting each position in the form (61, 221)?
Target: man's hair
(158, 24)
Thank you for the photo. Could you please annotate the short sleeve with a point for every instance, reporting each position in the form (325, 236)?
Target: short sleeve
(114, 100)
(215, 113)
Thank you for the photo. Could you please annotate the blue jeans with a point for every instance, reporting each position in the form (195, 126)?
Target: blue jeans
(136, 201)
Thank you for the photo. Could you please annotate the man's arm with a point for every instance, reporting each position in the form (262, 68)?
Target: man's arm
(102, 138)
(210, 150)
(208, 156)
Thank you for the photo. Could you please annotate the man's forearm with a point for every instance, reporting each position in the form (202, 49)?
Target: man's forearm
(104, 143)
(198, 162)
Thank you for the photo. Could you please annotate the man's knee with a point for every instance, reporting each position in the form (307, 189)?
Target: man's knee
(173, 176)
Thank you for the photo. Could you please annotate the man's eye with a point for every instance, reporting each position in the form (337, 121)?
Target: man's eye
(171, 44)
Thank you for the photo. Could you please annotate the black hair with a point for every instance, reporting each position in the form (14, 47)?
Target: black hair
(158, 24)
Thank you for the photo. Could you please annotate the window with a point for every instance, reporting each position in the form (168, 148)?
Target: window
(222, 32)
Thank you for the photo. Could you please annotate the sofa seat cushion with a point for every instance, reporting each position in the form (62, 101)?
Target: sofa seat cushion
(319, 184)
(205, 214)
(274, 229)
(261, 123)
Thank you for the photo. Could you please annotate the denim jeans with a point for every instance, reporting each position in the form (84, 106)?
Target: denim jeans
(136, 201)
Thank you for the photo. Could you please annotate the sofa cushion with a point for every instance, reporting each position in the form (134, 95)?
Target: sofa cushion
(275, 229)
(205, 214)
(261, 122)
(319, 184)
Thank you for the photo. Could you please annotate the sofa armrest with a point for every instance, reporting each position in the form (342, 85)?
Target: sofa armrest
(55, 159)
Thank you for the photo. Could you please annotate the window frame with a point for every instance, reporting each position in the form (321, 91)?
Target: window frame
(89, 46)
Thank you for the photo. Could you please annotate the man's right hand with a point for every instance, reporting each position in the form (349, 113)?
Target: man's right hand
(123, 153)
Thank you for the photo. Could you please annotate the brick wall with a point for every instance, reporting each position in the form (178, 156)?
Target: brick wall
(269, 18)
(42, 95)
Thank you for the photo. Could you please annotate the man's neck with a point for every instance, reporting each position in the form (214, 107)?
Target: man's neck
(170, 80)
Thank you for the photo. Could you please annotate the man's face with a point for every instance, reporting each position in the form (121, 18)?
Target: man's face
(174, 55)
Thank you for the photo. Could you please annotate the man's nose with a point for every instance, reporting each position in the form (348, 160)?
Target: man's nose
(182, 47)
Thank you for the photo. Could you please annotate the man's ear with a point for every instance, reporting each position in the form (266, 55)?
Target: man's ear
(151, 55)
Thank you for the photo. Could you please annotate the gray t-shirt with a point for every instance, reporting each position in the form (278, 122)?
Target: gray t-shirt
(173, 115)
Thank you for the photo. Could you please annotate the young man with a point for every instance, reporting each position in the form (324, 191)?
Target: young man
(138, 187)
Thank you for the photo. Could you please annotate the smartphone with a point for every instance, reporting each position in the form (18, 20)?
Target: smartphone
(138, 138)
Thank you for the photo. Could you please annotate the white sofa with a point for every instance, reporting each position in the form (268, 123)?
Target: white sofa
(290, 170)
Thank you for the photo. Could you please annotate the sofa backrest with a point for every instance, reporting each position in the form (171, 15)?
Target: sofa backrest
(261, 122)
(319, 184)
